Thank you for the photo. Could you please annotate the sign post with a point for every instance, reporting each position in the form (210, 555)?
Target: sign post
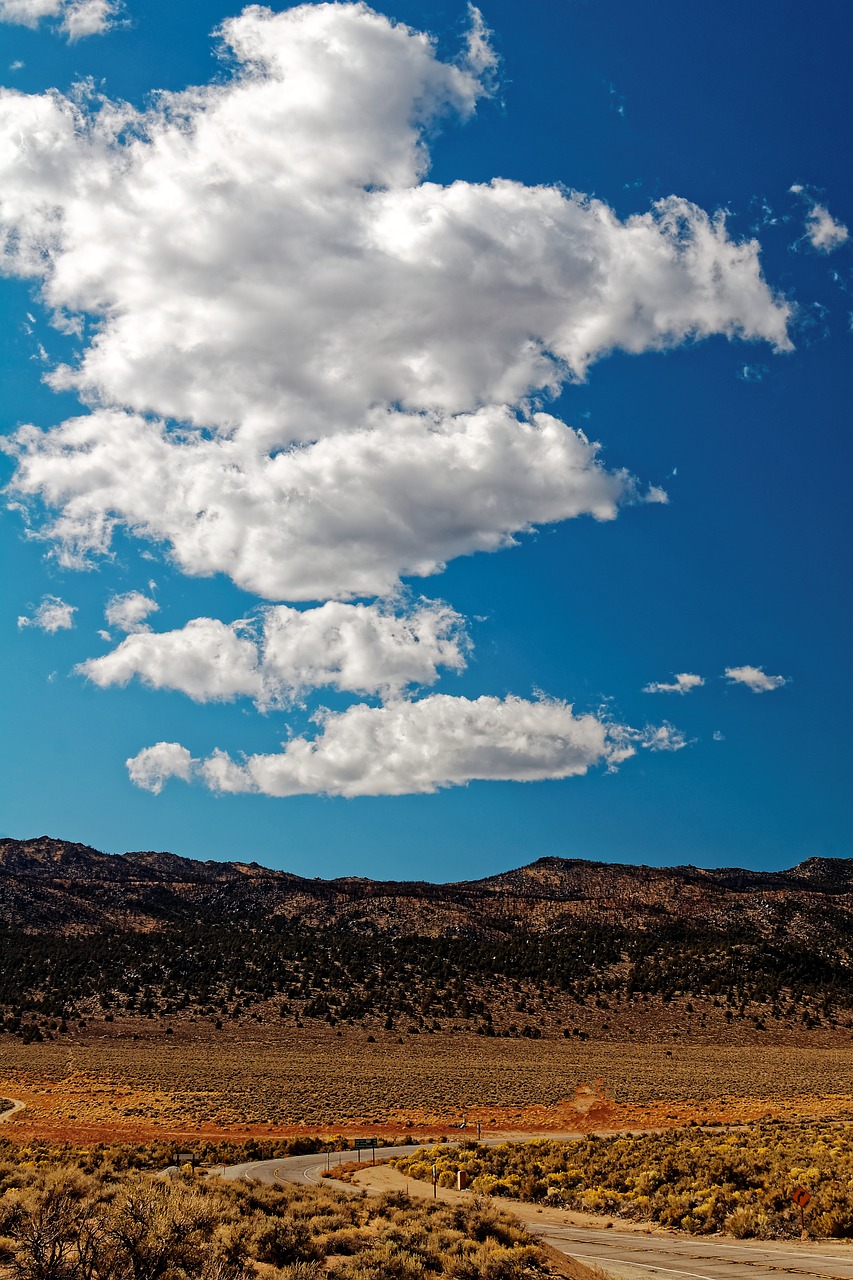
(434, 1180)
(801, 1198)
(366, 1144)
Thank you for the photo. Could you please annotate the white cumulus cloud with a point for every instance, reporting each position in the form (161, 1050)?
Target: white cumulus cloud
(345, 516)
(265, 253)
(52, 615)
(823, 232)
(127, 612)
(310, 368)
(74, 18)
(755, 678)
(349, 348)
(363, 649)
(417, 747)
(152, 768)
(681, 683)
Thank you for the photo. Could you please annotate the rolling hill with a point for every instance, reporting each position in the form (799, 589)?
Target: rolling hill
(132, 942)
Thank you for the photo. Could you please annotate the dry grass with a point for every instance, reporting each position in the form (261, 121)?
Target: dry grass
(93, 1089)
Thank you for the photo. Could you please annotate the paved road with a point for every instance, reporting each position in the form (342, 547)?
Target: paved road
(641, 1257)
(629, 1255)
(309, 1168)
(306, 1168)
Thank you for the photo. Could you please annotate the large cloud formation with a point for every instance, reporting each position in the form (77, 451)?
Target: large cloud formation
(347, 347)
(418, 747)
(346, 516)
(311, 369)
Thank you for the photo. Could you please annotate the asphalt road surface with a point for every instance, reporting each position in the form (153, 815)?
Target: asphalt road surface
(628, 1255)
(307, 1168)
(641, 1257)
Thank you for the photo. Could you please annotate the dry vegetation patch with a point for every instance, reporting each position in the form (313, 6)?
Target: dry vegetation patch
(739, 1181)
(315, 1082)
(58, 1222)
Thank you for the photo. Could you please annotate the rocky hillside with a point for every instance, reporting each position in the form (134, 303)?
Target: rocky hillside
(53, 885)
(559, 947)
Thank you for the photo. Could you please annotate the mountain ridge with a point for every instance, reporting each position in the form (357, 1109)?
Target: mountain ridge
(560, 946)
(47, 883)
(38, 850)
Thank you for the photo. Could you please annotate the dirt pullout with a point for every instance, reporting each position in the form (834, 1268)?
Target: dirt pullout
(384, 1177)
(15, 1105)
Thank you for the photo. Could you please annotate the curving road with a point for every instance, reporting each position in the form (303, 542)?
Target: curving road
(305, 1168)
(628, 1255)
(13, 1110)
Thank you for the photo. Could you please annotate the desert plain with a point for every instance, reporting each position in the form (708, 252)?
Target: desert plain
(101, 1086)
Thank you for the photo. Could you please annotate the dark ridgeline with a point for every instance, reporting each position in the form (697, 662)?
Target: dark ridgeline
(50, 885)
(559, 946)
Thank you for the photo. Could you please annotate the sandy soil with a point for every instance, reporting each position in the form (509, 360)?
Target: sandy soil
(383, 1177)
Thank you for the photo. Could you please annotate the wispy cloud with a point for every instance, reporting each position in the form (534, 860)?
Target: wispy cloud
(128, 612)
(52, 615)
(681, 683)
(73, 18)
(755, 679)
(752, 372)
(823, 232)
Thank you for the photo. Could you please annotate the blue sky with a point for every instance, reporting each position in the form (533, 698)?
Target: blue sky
(200, 270)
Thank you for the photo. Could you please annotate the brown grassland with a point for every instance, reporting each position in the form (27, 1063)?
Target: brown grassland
(97, 1087)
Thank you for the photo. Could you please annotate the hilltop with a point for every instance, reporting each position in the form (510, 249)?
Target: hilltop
(49, 885)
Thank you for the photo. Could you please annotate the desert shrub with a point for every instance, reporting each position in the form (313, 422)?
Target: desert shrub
(59, 1223)
(284, 1240)
(737, 1180)
(383, 1258)
(347, 1241)
(493, 1261)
